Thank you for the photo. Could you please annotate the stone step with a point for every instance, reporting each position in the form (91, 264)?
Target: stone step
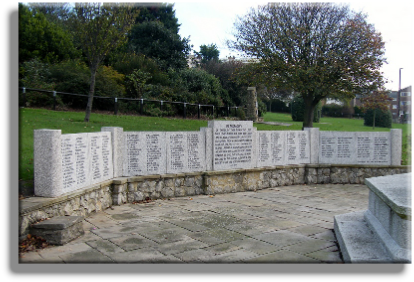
(357, 241)
(59, 230)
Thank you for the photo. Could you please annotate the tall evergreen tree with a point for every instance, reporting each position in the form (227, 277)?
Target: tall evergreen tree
(155, 35)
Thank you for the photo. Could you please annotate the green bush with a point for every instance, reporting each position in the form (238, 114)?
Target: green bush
(73, 76)
(334, 110)
(358, 112)
(35, 74)
(278, 106)
(197, 86)
(298, 110)
(382, 119)
(241, 114)
(262, 107)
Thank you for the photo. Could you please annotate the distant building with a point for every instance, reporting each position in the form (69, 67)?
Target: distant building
(356, 101)
(401, 105)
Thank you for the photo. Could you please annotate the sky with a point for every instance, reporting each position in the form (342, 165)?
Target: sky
(212, 23)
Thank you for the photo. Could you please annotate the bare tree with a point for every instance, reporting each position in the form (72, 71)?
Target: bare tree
(100, 28)
(315, 49)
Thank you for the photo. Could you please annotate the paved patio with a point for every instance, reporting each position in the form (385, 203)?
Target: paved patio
(291, 224)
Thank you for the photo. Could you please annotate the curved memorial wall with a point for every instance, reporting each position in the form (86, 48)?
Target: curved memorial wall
(67, 162)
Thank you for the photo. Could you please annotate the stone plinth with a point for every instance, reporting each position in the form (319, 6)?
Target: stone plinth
(251, 103)
(383, 232)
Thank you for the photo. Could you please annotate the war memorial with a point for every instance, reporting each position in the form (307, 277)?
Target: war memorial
(78, 174)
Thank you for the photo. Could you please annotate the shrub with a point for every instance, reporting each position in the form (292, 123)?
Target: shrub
(334, 110)
(35, 74)
(298, 109)
(241, 114)
(73, 76)
(262, 107)
(358, 112)
(279, 106)
(198, 86)
(382, 119)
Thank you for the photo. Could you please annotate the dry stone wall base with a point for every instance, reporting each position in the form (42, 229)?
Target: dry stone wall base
(123, 190)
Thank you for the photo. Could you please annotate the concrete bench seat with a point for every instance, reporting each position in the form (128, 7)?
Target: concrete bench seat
(59, 230)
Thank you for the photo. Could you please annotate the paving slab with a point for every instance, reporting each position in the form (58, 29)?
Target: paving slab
(282, 256)
(290, 224)
(282, 238)
(132, 242)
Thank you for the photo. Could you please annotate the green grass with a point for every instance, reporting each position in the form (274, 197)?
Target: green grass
(72, 122)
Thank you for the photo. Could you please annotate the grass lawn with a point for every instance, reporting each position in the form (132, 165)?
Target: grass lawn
(72, 122)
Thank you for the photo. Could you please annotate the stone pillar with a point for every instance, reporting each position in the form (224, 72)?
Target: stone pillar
(47, 157)
(251, 103)
(396, 144)
(314, 144)
(208, 135)
(117, 137)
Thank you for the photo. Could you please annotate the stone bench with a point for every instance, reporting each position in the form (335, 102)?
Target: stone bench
(382, 233)
(59, 230)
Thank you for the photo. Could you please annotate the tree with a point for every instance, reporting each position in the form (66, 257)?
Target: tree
(100, 28)
(155, 41)
(138, 79)
(377, 100)
(57, 13)
(225, 72)
(155, 35)
(161, 12)
(39, 38)
(208, 53)
(315, 49)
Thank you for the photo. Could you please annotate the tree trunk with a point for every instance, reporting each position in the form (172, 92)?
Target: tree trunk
(308, 113)
(91, 93)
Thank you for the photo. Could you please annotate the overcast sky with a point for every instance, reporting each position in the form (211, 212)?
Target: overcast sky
(212, 22)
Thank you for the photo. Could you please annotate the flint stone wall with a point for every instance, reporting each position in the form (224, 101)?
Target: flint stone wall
(123, 190)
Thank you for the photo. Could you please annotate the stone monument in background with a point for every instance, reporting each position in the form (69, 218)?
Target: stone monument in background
(252, 112)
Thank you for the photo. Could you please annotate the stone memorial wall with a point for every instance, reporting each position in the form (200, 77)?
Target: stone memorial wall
(356, 147)
(282, 147)
(64, 163)
(144, 153)
(233, 144)
(185, 152)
